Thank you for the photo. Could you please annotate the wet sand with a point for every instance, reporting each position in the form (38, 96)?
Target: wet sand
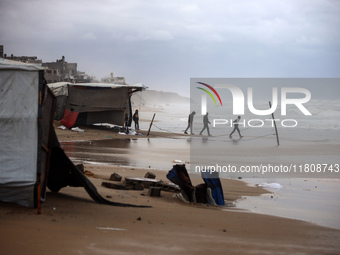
(71, 223)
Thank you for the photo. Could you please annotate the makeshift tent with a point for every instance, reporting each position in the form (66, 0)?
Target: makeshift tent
(91, 103)
(25, 132)
(31, 158)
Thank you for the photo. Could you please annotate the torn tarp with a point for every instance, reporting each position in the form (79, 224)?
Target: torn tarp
(210, 192)
(63, 172)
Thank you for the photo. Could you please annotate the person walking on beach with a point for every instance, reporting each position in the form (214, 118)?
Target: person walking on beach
(135, 118)
(126, 123)
(190, 121)
(235, 123)
(206, 123)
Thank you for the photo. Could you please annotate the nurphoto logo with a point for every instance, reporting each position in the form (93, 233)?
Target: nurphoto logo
(303, 96)
(238, 99)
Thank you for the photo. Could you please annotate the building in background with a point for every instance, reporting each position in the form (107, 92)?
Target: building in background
(61, 70)
(115, 80)
(23, 59)
(52, 75)
(66, 71)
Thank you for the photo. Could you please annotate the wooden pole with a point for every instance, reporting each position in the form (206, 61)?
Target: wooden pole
(277, 135)
(151, 124)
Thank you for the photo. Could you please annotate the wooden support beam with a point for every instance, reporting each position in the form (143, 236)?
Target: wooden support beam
(151, 124)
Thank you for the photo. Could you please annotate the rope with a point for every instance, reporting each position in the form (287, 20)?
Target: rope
(249, 127)
(242, 140)
(257, 137)
(164, 129)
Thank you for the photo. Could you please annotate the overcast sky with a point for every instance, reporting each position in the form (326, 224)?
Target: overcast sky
(163, 44)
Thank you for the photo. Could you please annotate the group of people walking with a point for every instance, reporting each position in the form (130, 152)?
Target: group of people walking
(206, 123)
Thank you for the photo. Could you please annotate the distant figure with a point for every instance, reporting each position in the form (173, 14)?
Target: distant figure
(236, 127)
(190, 121)
(135, 118)
(126, 124)
(205, 123)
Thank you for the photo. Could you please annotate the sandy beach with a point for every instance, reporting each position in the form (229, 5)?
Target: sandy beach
(71, 223)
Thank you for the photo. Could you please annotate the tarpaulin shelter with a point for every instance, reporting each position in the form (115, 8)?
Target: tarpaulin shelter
(91, 103)
(31, 158)
(26, 116)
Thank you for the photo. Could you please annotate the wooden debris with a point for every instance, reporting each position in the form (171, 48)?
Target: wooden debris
(115, 177)
(138, 183)
(138, 186)
(155, 192)
(111, 185)
(150, 175)
(147, 182)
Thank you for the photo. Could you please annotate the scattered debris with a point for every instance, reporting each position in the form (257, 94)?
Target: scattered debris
(154, 192)
(209, 192)
(137, 183)
(132, 181)
(138, 186)
(132, 132)
(62, 127)
(77, 129)
(115, 177)
(114, 185)
(89, 174)
(273, 185)
(150, 175)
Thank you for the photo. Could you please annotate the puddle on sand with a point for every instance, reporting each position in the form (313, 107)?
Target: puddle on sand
(156, 153)
(103, 152)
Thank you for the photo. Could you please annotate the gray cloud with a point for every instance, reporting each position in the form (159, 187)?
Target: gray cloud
(164, 43)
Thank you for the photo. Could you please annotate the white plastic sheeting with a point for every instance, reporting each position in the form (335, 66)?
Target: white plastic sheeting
(19, 95)
(59, 88)
(6, 64)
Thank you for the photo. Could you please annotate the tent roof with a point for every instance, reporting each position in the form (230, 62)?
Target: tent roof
(61, 88)
(110, 85)
(6, 64)
(97, 85)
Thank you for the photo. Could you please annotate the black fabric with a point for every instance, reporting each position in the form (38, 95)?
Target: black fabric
(201, 193)
(63, 172)
(179, 175)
